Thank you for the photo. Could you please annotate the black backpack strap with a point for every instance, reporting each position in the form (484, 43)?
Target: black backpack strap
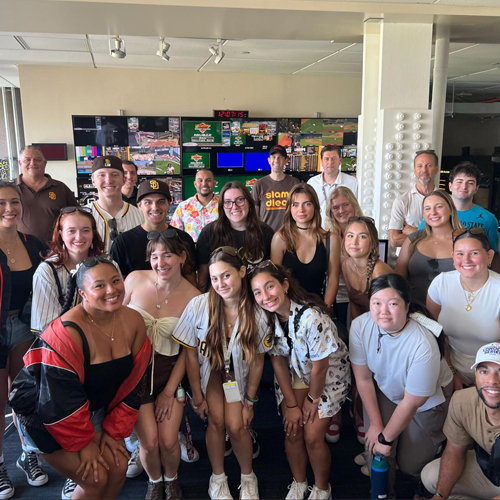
(86, 350)
(57, 280)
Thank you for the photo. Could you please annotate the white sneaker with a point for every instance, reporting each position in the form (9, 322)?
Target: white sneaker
(360, 459)
(6, 487)
(317, 494)
(184, 451)
(68, 488)
(365, 470)
(249, 488)
(219, 489)
(134, 464)
(297, 491)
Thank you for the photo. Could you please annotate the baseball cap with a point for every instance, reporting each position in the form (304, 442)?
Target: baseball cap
(107, 162)
(153, 186)
(278, 149)
(489, 353)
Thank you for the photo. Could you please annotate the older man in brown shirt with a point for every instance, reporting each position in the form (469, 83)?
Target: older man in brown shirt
(43, 197)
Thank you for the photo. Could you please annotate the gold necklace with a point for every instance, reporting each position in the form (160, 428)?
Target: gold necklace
(357, 269)
(165, 300)
(470, 296)
(112, 336)
(12, 260)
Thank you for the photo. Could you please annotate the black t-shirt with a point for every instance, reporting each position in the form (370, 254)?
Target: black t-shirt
(133, 199)
(205, 249)
(129, 249)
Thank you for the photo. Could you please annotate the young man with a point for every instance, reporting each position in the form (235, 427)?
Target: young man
(193, 214)
(113, 216)
(469, 465)
(129, 189)
(271, 192)
(129, 248)
(464, 184)
(326, 182)
(406, 213)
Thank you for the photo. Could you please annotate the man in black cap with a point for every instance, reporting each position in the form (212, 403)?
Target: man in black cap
(129, 248)
(113, 216)
(271, 192)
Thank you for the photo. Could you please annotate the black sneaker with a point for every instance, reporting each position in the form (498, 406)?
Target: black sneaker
(6, 488)
(28, 463)
(68, 488)
(229, 448)
(255, 443)
(156, 491)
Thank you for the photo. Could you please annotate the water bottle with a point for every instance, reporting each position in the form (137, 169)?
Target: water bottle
(380, 477)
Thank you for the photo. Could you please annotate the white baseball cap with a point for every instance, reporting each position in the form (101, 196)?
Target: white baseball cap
(489, 353)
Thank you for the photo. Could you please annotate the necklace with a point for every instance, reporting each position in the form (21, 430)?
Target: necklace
(165, 300)
(112, 336)
(470, 296)
(303, 228)
(12, 260)
(357, 269)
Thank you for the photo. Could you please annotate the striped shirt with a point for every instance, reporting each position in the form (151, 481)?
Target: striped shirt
(127, 218)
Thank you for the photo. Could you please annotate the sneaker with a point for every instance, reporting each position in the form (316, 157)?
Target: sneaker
(135, 467)
(249, 488)
(155, 491)
(297, 491)
(6, 487)
(184, 450)
(365, 470)
(360, 459)
(68, 488)
(317, 494)
(255, 444)
(173, 490)
(219, 489)
(333, 432)
(229, 447)
(360, 433)
(29, 464)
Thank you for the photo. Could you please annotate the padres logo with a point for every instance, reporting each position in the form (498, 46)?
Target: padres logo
(268, 341)
(107, 163)
(154, 184)
(52, 195)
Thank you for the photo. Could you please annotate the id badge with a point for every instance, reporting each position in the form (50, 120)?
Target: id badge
(231, 391)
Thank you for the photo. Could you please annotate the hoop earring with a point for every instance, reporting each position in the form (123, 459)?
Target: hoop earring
(63, 246)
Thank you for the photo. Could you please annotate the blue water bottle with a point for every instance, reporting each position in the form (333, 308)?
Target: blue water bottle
(380, 477)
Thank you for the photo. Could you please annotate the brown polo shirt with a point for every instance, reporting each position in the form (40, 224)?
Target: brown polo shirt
(41, 208)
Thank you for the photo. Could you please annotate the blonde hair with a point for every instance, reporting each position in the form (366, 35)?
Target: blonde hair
(330, 222)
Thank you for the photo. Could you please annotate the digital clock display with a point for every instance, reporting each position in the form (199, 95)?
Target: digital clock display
(230, 113)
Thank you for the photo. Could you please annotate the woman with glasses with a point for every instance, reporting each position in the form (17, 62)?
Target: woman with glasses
(238, 226)
(226, 338)
(19, 258)
(78, 396)
(312, 371)
(465, 302)
(426, 253)
(304, 247)
(403, 381)
(160, 296)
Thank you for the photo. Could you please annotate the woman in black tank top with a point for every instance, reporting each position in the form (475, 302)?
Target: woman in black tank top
(85, 374)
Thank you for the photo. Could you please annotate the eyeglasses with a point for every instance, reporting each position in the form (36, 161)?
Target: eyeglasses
(168, 233)
(94, 261)
(472, 230)
(239, 202)
(363, 218)
(70, 210)
(114, 228)
(233, 252)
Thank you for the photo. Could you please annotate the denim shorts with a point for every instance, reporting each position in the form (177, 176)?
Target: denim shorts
(96, 418)
(16, 332)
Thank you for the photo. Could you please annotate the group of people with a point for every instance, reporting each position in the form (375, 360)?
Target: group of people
(159, 310)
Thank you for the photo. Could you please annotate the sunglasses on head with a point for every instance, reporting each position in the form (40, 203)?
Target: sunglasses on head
(231, 251)
(168, 233)
(263, 265)
(472, 230)
(71, 210)
(94, 261)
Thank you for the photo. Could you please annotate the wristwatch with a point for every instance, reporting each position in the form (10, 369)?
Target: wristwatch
(382, 440)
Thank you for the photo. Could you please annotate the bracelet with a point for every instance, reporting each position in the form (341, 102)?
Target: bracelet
(195, 407)
(294, 406)
(252, 400)
(438, 494)
(454, 371)
(312, 400)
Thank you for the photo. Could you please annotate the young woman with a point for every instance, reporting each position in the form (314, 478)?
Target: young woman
(465, 302)
(301, 245)
(426, 253)
(160, 296)
(340, 207)
(362, 263)
(238, 226)
(226, 338)
(77, 398)
(316, 385)
(404, 383)
(19, 257)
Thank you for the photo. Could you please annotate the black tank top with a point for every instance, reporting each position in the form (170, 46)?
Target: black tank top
(114, 372)
(311, 276)
(22, 284)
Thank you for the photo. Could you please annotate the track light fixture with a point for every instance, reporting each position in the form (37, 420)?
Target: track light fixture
(162, 52)
(216, 51)
(117, 47)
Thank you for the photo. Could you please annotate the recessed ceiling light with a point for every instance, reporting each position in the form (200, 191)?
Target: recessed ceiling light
(245, 52)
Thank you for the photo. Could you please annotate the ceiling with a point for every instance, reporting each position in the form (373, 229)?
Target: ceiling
(319, 37)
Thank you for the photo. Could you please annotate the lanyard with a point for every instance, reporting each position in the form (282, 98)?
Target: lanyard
(227, 349)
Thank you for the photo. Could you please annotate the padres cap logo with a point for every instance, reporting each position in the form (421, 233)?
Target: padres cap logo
(154, 184)
(107, 163)
(52, 195)
(268, 342)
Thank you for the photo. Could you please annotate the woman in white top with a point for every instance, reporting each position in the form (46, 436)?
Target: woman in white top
(311, 365)
(160, 296)
(404, 383)
(466, 302)
(226, 336)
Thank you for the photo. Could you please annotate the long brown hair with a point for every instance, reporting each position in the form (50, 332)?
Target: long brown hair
(289, 231)
(331, 222)
(248, 333)
(221, 228)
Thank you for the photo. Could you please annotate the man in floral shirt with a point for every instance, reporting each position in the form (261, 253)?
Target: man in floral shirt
(193, 214)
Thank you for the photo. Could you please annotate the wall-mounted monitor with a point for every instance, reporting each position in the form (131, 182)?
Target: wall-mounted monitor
(257, 162)
(229, 160)
(54, 151)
